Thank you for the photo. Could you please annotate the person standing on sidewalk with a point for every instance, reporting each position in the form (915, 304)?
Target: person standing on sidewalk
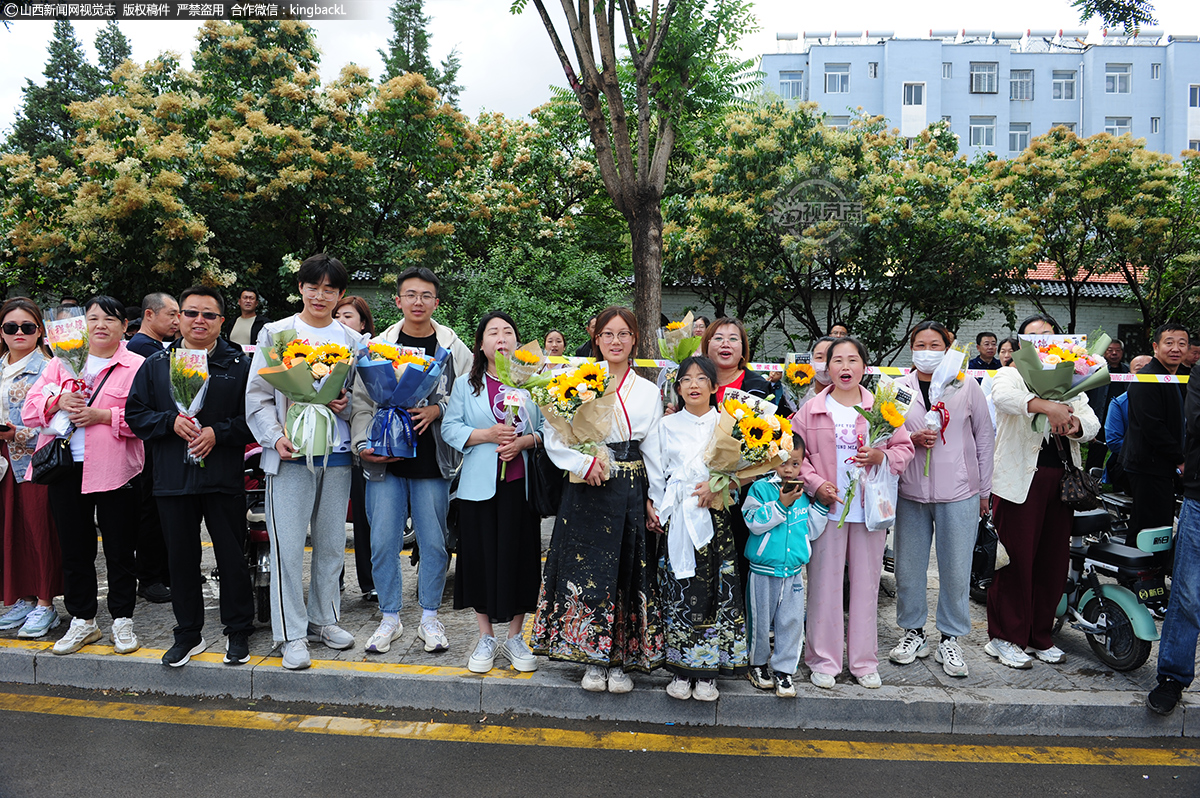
(213, 489)
(1181, 627)
(940, 506)
(305, 498)
(416, 487)
(355, 313)
(249, 322)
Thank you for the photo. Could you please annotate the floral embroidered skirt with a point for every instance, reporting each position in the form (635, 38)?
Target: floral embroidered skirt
(599, 603)
(705, 616)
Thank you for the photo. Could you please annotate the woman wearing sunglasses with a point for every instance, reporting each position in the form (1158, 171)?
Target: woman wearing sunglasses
(32, 574)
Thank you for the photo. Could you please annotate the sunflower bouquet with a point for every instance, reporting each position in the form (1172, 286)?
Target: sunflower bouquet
(676, 343)
(945, 381)
(525, 368)
(68, 341)
(1060, 367)
(891, 404)
(310, 376)
(579, 405)
(189, 386)
(398, 379)
(797, 379)
(750, 439)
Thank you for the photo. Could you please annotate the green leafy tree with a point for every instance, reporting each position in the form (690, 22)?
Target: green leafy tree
(112, 49)
(1128, 14)
(408, 50)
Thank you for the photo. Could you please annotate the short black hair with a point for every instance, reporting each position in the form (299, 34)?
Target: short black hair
(1038, 317)
(1170, 326)
(849, 339)
(936, 326)
(798, 443)
(985, 334)
(707, 321)
(110, 306)
(319, 268)
(419, 273)
(251, 290)
(155, 301)
(204, 290)
(706, 366)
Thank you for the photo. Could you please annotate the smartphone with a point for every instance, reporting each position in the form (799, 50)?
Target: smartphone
(4, 428)
(790, 485)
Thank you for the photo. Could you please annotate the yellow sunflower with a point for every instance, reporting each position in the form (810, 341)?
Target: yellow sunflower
(739, 410)
(525, 356)
(756, 432)
(890, 414)
(416, 360)
(384, 351)
(785, 425)
(675, 325)
(589, 372)
(799, 374)
(330, 354)
(297, 350)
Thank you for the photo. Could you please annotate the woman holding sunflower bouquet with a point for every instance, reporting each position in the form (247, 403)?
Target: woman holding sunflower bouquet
(834, 430)
(599, 603)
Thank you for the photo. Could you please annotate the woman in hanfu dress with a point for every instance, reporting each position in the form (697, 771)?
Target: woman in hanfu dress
(598, 604)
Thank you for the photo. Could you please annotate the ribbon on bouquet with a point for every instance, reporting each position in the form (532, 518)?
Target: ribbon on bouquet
(938, 416)
(305, 427)
(509, 407)
(393, 426)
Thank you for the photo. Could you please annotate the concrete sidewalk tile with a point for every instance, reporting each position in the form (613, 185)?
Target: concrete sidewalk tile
(845, 707)
(1058, 713)
(358, 686)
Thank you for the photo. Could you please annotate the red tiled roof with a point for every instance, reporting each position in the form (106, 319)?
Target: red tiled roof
(1049, 271)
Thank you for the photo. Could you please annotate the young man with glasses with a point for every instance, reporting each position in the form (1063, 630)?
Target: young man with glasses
(416, 487)
(186, 491)
(300, 496)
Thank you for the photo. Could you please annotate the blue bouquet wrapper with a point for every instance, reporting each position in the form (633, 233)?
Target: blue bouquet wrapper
(392, 432)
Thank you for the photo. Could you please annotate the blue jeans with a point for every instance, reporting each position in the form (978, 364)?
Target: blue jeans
(389, 505)
(1177, 648)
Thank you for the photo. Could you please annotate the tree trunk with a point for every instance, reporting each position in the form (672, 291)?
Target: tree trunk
(645, 227)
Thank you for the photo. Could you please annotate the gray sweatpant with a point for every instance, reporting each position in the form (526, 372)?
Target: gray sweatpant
(778, 599)
(298, 499)
(957, 524)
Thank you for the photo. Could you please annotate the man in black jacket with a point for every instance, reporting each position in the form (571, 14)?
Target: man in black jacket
(186, 491)
(1152, 453)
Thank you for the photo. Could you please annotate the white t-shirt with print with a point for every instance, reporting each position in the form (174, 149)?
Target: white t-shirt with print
(845, 430)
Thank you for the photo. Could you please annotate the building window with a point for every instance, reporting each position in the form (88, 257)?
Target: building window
(1154, 121)
(1194, 97)
(791, 85)
(1068, 125)
(947, 70)
(1194, 145)
(872, 69)
(1018, 136)
(1020, 84)
(983, 131)
(914, 93)
(1118, 125)
(984, 78)
(838, 122)
(1116, 78)
(1155, 71)
(1064, 84)
(946, 119)
(837, 78)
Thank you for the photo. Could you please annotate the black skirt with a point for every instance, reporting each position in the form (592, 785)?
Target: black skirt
(499, 555)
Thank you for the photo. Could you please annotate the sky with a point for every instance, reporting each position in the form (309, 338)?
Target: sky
(507, 61)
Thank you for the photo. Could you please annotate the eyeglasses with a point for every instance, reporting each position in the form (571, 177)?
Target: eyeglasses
(413, 296)
(27, 327)
(608, 336)
(322, 293)
(208, 314)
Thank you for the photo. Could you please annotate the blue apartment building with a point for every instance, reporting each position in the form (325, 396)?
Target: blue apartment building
(997, 90)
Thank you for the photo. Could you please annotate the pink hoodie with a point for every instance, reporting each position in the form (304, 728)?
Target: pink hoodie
(815, 425)
(962, 466)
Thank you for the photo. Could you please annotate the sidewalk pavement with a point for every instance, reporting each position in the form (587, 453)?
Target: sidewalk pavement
(1081, 697)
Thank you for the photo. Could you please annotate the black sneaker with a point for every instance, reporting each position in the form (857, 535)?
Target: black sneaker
(237, 648)
(760, 677)
(178, 655)
(157, 593)
(1165, 696)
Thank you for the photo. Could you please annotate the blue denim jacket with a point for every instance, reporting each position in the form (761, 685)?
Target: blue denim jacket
(20, 448)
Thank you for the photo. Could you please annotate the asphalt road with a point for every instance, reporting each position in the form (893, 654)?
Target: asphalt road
(65, 743)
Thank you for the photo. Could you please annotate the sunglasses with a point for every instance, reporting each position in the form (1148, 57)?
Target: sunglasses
(27, 327)
(208, 314)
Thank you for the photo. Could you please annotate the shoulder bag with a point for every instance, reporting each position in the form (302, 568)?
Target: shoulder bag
(1077, 489)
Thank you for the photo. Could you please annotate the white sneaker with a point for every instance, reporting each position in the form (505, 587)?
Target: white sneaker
(911, 646)
(950, 654)
(330, 636)
(595, 679)
(1009, 654)
(706, 690)
(823, 680)
(516, 652)
(79, 634)
(680, 687)
(434, 635)
(619, 681)
(40, 621)
(295, 655)
(124, 640)
(16, 615)
(484, 656)
(388, 632)
(871, 680)
(1054, 655)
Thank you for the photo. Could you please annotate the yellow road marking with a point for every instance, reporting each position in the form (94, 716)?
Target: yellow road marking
(609, 741)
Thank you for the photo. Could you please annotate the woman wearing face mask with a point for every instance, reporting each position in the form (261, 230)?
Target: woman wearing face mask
(820, 354)
(950, 496)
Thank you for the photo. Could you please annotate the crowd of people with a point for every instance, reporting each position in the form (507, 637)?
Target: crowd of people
(649, 566)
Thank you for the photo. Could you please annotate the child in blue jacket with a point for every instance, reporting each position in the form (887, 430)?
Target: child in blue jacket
(777, 513)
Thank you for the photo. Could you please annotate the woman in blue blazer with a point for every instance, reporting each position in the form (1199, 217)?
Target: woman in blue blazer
(499, 543)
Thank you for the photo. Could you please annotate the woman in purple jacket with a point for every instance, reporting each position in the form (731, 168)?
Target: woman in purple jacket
(951, 498)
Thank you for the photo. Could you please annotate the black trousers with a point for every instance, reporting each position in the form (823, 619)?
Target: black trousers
(1153, 502)
(75, 515)
(362, 529)
(151, 551)
(225, 517)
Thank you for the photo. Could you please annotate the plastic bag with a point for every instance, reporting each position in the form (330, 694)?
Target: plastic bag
(880, 487)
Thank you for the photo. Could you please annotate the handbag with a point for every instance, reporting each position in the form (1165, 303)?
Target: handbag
(545, 483)
(53, 462)
(1077, 489)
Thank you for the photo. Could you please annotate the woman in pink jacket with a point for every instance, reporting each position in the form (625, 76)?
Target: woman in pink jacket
(98, 485)
(952, 496)
(830, 428)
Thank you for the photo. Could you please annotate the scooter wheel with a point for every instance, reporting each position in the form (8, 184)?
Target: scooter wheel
(1119, 649)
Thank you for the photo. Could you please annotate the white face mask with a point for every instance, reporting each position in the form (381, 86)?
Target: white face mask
(926, 361)
(821, 373)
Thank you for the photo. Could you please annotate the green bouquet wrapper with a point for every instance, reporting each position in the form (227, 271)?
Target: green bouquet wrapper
(1059, 384)
(310, 424)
